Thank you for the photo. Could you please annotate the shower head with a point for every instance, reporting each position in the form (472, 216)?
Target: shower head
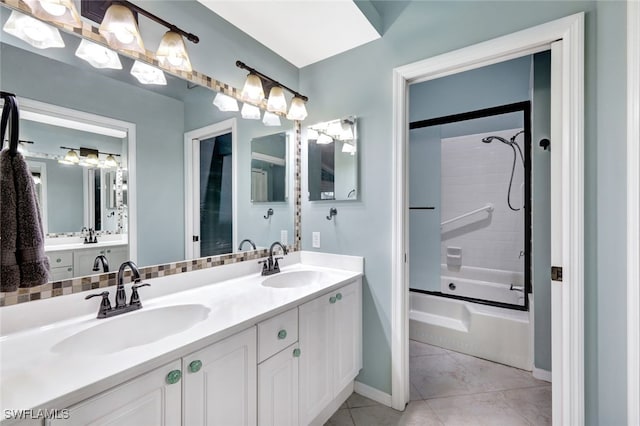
(488, 139)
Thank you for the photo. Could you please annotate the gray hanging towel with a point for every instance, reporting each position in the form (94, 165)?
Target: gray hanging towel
(23, 261)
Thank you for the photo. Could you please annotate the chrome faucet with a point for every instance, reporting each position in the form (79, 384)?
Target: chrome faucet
(246, 240)
(121, 307)
(98, 260)
(270, 265)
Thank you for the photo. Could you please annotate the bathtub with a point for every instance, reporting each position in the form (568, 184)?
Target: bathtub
(497, 334)
(485, 284)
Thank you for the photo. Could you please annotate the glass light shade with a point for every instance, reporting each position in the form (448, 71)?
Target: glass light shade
(312, 134)
(98, 56)
(277, 102)
(250, 112)
(146, 74)
(225, 103)
(347, 147)
(72, 157)
(172, 52)
(252, 90)
(37, 180)
(334, 129)
(270, 119)
(92, 159)
(36, 33)
(297, 111)
(346, 133)
(120, 30)
(110, 161)
(324, 139)
(60, 11)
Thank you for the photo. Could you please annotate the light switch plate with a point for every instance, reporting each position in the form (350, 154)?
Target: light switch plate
(315, 240)
(284, 237)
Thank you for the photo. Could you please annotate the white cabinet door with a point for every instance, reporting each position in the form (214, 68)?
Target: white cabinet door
(316, 361)
(83, 259)
(146, 400)
(278, 389)
(220, 383)
(347, 326)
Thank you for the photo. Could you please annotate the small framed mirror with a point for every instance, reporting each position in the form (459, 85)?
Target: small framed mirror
(269, 168)
(333, 160)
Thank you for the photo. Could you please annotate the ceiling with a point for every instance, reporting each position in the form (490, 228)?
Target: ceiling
(301, 31)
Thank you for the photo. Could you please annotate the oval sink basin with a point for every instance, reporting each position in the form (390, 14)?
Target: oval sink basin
(292, 279)
(135, 329)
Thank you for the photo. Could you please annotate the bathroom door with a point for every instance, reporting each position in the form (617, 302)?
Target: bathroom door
(210, 215)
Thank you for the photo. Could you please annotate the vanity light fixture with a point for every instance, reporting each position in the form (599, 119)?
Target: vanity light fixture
(250, 112)
(225, 103)
(348, 148)
(71, 157)
(270, 119)
(110, 161)
(324, 139)
(346, 131)
(120, 29)
(297, 111)
(98, 56)
(172, 52)
(252, 90)
(334, 129)
(36, 33)
(146, 74)
(277, 101)
(312, 134)
(60, 11)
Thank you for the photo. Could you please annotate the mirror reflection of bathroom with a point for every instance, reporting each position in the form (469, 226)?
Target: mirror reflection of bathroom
(479, 213)
(333, 160)
(269, 168)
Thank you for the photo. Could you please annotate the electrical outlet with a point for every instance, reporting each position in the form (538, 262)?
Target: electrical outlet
(284, 237)
(315, 240)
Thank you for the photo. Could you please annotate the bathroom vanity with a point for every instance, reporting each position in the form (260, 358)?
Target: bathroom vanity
(223, 346)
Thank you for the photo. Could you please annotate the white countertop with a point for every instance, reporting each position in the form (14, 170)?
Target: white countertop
(33, 376)
(81, 245)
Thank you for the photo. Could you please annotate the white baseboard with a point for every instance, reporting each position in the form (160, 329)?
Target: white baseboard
(541, 374)
(373, 393)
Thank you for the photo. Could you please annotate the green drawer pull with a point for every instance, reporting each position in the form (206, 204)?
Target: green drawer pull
(339, 296)
(296, 352)
(69, 269)
(195, 366)
(174, 377)
(282, 334)
(332, 299)
(58, 260)
(109, 251)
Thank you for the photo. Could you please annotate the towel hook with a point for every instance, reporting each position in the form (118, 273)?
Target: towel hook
(10, 110)
(332, 212)
(269, 214)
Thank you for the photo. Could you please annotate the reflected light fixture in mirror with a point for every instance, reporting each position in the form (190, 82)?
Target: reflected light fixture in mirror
(270, 119)
(323, 139)
(110, 161)
(91, 160)
(172, 52)
(62, 11)
(146, 74)
(252, 90)
(250, 112)
(98, 56)
(226, 103)
(277, 101)
(70, 158)
(120, 29)
(36, 33)
(346, 131)
(297, 111)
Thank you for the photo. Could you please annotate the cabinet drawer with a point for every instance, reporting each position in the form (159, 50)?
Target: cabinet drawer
(59, 259)
(277, 333)
(59, 274)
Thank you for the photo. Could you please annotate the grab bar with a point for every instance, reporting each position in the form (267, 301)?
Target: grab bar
(487, 208)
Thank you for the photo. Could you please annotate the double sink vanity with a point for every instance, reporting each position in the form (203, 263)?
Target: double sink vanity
(222, 345)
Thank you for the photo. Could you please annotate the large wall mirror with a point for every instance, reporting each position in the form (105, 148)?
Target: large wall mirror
(135, 206)
(333, 160)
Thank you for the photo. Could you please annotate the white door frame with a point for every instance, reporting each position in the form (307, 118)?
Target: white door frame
(633, 212)
(190, 179)
(568, 315)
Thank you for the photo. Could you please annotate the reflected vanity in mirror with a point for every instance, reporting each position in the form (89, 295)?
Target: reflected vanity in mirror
(269, 168)
(333, 160)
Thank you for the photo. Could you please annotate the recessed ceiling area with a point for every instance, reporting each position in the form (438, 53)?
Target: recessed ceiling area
(302, 31)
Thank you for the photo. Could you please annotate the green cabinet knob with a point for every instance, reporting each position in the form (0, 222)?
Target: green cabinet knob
(332, 299)
(282, 334)
(296, 352)
(195, 366)
(58, 260)
(339, 296)
(174, 377)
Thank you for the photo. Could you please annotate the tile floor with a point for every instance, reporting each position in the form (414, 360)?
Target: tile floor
(449, 388)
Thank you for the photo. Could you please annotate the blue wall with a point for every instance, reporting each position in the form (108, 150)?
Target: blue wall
(359, 82)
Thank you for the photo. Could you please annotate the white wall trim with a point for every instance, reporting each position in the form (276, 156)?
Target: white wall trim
(372, 393)
(570, 32)
(207, 132)
(541, 374)
(42, 110)
(633, 212)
